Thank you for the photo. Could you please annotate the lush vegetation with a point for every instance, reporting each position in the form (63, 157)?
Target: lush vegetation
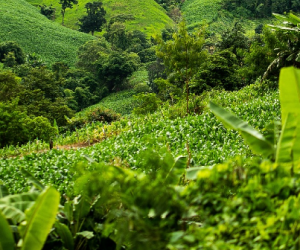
(140, 142)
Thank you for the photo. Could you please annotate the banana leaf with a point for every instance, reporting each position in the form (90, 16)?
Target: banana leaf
(39, 220)
(6, 237)
(255, 140)
(13, 206)
(289, 86)
(287, 139)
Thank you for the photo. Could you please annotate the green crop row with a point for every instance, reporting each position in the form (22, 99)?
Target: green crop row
(203, 138)
(23, 23)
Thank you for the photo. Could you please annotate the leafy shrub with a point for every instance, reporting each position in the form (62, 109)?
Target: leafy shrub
(218, 71)
(16, 127)
(98, 113)
(48, 11)
(14, 48)
(147, 103)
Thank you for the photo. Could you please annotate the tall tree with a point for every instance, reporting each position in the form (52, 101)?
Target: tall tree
(95, 18)
(64, 5)
(183, 55)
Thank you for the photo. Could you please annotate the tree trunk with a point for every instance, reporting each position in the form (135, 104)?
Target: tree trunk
(63, 16)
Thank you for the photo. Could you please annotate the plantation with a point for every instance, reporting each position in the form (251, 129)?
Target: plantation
(21, 22)
(175, 128)
(199, 12)
(149, 17)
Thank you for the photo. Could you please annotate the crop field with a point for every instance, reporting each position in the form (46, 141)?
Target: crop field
(203, 138)
(149, 16)
(198, 12)
(23, 23)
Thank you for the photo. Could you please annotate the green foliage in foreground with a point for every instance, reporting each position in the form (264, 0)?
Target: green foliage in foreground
(23, 23)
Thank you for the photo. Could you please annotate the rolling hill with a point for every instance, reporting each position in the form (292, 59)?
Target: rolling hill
(149, 16)
(197, 12)
(23, 23)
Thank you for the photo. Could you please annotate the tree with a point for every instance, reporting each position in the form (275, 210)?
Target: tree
(92, 51)
(183, 55)
(288, 51)
(234, 39)
(48, 11)
(14, 48)
(64, 5)
(116, 68)
(95, 18)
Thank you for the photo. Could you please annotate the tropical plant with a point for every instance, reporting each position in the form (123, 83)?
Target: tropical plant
(32, 216)
(286, 148)
(182, 55)
(288, 53)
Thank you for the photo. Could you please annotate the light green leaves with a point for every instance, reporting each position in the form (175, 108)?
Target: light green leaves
(288, 148)
(39, 220)
(6, 237)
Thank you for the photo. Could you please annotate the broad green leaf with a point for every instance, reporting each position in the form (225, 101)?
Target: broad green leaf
(39, 220)
(6, 237)
(287, 138)
(3, 191)
(256, 141)
(65, 234)
(289, 86)
(177, 170)
(32, 179)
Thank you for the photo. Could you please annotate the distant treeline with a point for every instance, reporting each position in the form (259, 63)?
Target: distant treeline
(261, 8)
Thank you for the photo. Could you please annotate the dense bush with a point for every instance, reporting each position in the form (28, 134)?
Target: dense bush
(218, 71)
(12, 47)
(16, 127)
(96, 114)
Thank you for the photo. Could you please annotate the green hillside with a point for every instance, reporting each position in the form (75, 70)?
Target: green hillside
(21, 22)
(199, 11)
(149, 16)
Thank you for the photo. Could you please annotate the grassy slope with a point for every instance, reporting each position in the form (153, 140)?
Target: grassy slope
(197, 11)
(21, 22)
(149, 16)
